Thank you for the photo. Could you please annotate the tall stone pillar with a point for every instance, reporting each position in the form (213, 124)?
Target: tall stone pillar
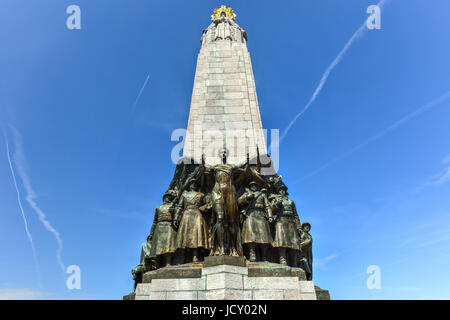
(224, 113)
(227, 228)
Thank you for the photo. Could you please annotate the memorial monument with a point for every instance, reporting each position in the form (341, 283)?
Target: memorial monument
(227, 228)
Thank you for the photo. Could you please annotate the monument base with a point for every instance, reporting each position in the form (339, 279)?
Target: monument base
(228, 278)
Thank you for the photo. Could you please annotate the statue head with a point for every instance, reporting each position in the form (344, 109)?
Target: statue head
(306, 226)
(282, 190)
(193, 185)
(169, 196)
(253, 186)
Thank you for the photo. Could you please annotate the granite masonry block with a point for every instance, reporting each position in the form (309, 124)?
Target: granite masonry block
(215, 82)
(157, 295)
(308, 296)
(178, 284)
(292, 294)
(232, 76)
(215, 89)
(225, 294)
(234, 88)
(307, 287)
(182, 295)
(267, 294)
(268, 283)
(224, 281)
(224, 268)
(143, 289)
(234, 95)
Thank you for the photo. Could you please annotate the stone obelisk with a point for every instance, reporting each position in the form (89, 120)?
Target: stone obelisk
(227, 228)
(224, 113)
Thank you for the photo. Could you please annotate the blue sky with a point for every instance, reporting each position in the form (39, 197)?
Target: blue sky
(365, 168)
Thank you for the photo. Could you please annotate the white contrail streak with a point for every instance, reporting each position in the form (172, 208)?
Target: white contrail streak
(140, 93)
(20, 163)
(19, 201)
(383, 132)
(359, 33)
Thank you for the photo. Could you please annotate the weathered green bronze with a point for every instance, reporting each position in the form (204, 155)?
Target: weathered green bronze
(225, 210)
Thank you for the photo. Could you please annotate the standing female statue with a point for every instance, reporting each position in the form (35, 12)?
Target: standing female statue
(226, 231)
(192, 234)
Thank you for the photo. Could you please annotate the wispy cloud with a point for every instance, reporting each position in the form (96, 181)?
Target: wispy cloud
(426, 235)
(358, 34)
(19, 202)
(442, 177)
(321, 263)
(140, 93)
(20, 164)
(437, 179)
(383, 132)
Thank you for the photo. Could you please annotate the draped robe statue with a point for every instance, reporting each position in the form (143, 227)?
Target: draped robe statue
(192, 232)
(226, 232)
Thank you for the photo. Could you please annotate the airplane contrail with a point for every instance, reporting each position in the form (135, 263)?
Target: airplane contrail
(383, 132)
(359, 33)
(20, 163)
(140, 93)
(19, 201)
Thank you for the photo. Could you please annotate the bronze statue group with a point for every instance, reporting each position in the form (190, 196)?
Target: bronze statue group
(226, 210)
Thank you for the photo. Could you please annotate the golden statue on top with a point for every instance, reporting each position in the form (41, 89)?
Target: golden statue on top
(229, 13)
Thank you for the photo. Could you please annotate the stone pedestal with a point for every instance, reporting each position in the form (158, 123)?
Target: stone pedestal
(228, 278)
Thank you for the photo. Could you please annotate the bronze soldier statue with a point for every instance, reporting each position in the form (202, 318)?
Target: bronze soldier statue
(306, 257)
(162, 234)
(192, 235)
(287, 228)
(145, 264)
(255, 230)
